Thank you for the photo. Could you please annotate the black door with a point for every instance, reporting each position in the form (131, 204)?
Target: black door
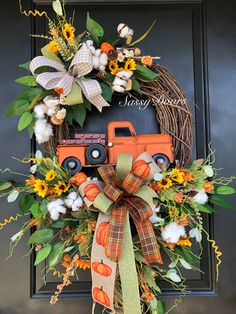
(196, 40)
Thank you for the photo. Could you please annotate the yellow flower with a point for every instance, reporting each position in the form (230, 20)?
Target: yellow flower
(177, 175)
(113, 65)
(130, 65)
(165, 183)
(68, 32)
(51, 175)
(184, 242)
(52, 46)
(61, 187)
(114, 72)
(173, 212)
(41, 187)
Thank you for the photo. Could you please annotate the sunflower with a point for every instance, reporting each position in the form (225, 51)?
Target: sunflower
(177, 176)
(113, 65)
(83, 264)
(61, 187)
(41, 188)
(50, 175)
(173, 212)
(130, 65)
(114, 72)
(52, 46)
(68, 32)
(184, 242)
(165, 183)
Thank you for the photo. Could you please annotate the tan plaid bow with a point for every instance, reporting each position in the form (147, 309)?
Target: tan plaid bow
(80, 65)
(121, 193)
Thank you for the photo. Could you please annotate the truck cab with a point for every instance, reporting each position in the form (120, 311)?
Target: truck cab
(87, 150)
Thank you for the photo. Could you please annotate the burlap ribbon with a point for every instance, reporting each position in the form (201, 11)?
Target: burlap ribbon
(123, 195)
(63, 80)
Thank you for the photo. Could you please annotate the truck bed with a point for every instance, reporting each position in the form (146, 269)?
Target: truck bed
(85, 139)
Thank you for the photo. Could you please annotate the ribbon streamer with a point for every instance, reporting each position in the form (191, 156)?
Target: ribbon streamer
(63, 80)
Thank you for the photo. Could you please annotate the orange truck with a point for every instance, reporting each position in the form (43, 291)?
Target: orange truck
(87, 150)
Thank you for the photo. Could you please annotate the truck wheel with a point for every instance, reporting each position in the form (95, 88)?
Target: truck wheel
(161, 158)
(72, 164)
(96, 154)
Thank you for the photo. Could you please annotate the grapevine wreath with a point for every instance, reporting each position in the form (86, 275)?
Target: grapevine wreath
(138, 220)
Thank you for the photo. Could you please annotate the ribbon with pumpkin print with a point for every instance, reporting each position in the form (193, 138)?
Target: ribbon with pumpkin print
(124, 195)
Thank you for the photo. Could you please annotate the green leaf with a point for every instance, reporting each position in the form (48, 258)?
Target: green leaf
(185, 264)
(25, 65)
(106, 91)
(44, 206)
(218, 200)
(12, 196)
(109, 77)
(79, 114)
(30, 93)
(25, 120)
(26, 202)
(87, 104)
(160, 307)
(225, 190)
(4, 185)
(17, 108)
(145, 74)
(136, 86)
(187, 255)
(30, 128)
(35, 210)
(58, 224)
(56, 254)
(94, 29)
(143, 36)
(205, 208)
(28, 80)
(41, 236)
(149, 279)
(43, 254)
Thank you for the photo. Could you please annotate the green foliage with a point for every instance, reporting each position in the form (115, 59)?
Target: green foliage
(225, 190)
(30, 93)
(26, 202)
(41, 236)
(143, 36)
(4, 185)
(25, 66)
(95, 29)
(106, 91)
(17, 108)
(25, 120)
(136, 86)
(56, 254)
(187, 255)
(220, 201)
(149, 279)
(35, 210)
(28, 80)
(43, 254)
(145, 74)
(205, 208)
(76, 113)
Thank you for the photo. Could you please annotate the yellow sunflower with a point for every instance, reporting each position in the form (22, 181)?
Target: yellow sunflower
(52, 46)
(50, 175)
(61, 187)
(130, 65)
(68, 32)
(114, 72)
(113, 65)
(177, 176)
(184, 242)
(165, 183)
(173, 212)
(41, 187)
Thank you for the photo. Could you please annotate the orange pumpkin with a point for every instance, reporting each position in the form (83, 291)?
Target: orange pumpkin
(141, 169)
(106, 47)
(101, 296)
(91, 191)
(102, 269)
(101, 234)
(78, 179)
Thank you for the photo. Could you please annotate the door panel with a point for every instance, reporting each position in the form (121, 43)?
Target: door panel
(205, 68)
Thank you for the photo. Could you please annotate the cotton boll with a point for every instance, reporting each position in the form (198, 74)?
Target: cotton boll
(120, 26)
(201, 197)
(61, 114)
(172, 233)
(97, 52)
(124, 74)
(131, 32)
(103, 59)
(55, 208)
(73, 201)
(119, 81)
(43, 130)
(51, 112)
(92, 49)
(118, 88)
(68, 202)
(96, 62)
(73, 195)
(40, 111)
(102, 67)
(124, 32)
(77, 204)
(89, 43)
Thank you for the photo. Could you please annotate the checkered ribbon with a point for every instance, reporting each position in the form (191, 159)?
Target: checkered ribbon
(121, 193)
(80, 65)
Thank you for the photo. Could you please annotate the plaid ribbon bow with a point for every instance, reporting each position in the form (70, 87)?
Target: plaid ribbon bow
(123, 195)
(80, 65)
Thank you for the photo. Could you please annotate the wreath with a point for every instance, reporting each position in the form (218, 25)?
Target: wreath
(133, 223)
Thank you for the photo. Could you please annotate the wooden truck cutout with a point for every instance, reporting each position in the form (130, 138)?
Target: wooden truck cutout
(94, 149)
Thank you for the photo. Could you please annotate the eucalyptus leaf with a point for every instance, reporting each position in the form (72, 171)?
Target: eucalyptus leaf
(41, 236)
(172, 275)
(4, 185)
(12, 196)
(28, 80)
(56, 254)
(25, 120)
(225, 190)
(43, 254)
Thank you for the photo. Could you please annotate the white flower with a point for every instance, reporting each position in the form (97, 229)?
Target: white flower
(201, 197)
(55, 208)
(121, 57)
(40, 111)
(103, 59)
(61, 114)
(172, 232)
(51, 102)
(73, 201)
(43, 130)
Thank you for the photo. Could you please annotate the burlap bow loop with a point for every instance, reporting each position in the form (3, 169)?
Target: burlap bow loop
(63, 80)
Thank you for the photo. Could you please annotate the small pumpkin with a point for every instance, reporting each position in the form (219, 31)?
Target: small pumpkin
(106, 47)
(101, 234)
(141, 169)
(102, 269)
(91, 191)
(78, 179)
(101, 296)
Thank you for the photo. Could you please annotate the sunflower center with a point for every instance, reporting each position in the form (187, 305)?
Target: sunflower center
(164, 182)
